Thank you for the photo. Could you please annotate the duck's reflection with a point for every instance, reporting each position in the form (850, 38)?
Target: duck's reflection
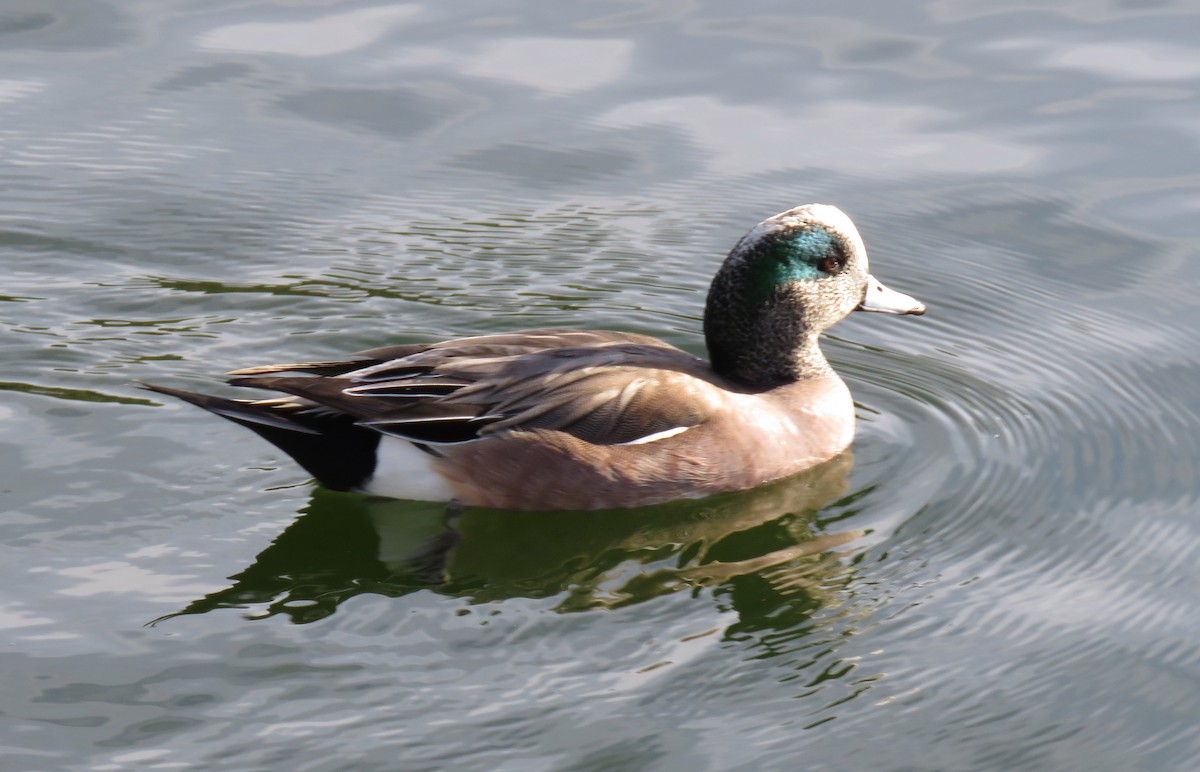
(773, 537)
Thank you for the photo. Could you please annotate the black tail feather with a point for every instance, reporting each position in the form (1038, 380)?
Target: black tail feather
(332, 448)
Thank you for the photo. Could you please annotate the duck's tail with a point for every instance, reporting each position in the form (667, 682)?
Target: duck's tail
(330, 446)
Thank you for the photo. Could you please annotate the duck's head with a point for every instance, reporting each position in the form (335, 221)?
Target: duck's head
(791, 277)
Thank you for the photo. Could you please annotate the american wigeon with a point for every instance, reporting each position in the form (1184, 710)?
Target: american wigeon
(573, 419)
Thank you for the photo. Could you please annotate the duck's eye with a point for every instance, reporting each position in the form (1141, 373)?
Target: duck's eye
(831, 264)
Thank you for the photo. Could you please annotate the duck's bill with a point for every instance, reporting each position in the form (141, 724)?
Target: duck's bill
(880, 298)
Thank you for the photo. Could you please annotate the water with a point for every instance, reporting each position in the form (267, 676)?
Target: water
(1004, 577)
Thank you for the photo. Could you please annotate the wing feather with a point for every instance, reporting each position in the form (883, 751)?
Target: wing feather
(603, 387)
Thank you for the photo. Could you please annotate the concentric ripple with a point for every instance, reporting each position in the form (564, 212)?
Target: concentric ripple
(999, 440)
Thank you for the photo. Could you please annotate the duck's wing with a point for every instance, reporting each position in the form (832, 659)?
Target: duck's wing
(605, 388)
(500, 344)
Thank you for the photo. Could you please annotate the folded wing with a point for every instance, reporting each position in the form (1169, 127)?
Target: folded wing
(607, 388)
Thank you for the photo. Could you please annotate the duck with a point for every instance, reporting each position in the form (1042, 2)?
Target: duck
(567, 419)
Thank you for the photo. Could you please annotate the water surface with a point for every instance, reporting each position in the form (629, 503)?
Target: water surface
(1002, 576)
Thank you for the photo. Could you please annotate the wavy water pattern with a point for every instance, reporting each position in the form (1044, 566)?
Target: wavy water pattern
(1000, 575)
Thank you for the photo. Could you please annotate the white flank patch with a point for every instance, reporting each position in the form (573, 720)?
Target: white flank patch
(657, 436)
(403, 471)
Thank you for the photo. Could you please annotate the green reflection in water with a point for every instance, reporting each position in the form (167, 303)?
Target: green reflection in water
(769, 541)
(75, 395)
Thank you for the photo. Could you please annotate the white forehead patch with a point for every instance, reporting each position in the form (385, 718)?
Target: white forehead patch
(826, 215)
